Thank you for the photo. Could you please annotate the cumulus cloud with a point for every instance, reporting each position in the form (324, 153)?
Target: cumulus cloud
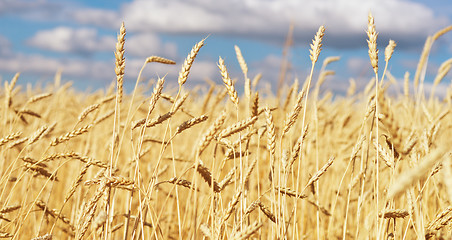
(87, 41)
(103, 70)
(40, 65)
(34, 9)
(359, 66)
(147, 44)
(5, 46)
(64, 39)
(269, 20)
(269, 67)
(99, 17)
(407, 22)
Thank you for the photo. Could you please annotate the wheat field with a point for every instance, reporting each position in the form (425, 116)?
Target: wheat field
(176, 164)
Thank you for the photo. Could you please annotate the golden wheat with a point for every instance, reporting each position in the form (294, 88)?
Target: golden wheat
(390, 175)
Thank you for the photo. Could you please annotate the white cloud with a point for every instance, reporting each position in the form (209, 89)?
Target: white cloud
(200, 70)
(358, 66)
(99, 17)
(25, 7)
(5, 46)
(87, 41)
(40, 65)
(65, 39)
(147, 44)
(269, 67)
(405, 21)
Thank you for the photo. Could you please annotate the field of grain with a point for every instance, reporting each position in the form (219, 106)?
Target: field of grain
(176, 164)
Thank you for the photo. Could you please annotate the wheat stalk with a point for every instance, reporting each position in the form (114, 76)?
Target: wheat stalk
(442, 219)
(120, 62)
(54, 213)
(248, 231)
(89, 209)
(159, 60)
(267, 212)
(70, 135)
(244, 68)
(227, 179)
(255, 105)
(156, 94)
(9, 138)
(384, 154)
(172, 100)
(11, 208)
(292, 117)
(406, 84)
(87, 111)
(409, 177)
(316, 45)
(228, 82)
(181, 182)
(352, 88)
(9, 89)
(76, 182)
(389, 50)
(237, 127)
(372, 43)
(37, 135)
(183, 74)
(256, 80)
(394, 213)
(209, 135)
(231, 206)
(289, 192)
(207, 176)
(190, 123)
(104, 117)
(297, 147)
(319, 173)
(38, 97)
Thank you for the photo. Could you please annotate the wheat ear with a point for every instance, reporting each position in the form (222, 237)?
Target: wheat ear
(267, 212)
(231, 206)
(207, 176)
(292, 117)
(248, 231)
(389, 50)
(71, 135)
(38, 97)
(237, 127)
(120, 61)
(190, 123)
(244, 68)
(159, 60)
(209, 135)
(228, 82)
(156, 94)
(319, 173)
(316, 45)
(183, 74)
(404, 181)
(271, 140)
(394, 213)
(372, 43)
(87, 111)
(9, 138)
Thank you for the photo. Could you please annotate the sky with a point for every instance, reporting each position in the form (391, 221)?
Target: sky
(41, 37)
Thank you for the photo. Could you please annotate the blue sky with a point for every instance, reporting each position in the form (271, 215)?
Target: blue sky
(78, 37)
